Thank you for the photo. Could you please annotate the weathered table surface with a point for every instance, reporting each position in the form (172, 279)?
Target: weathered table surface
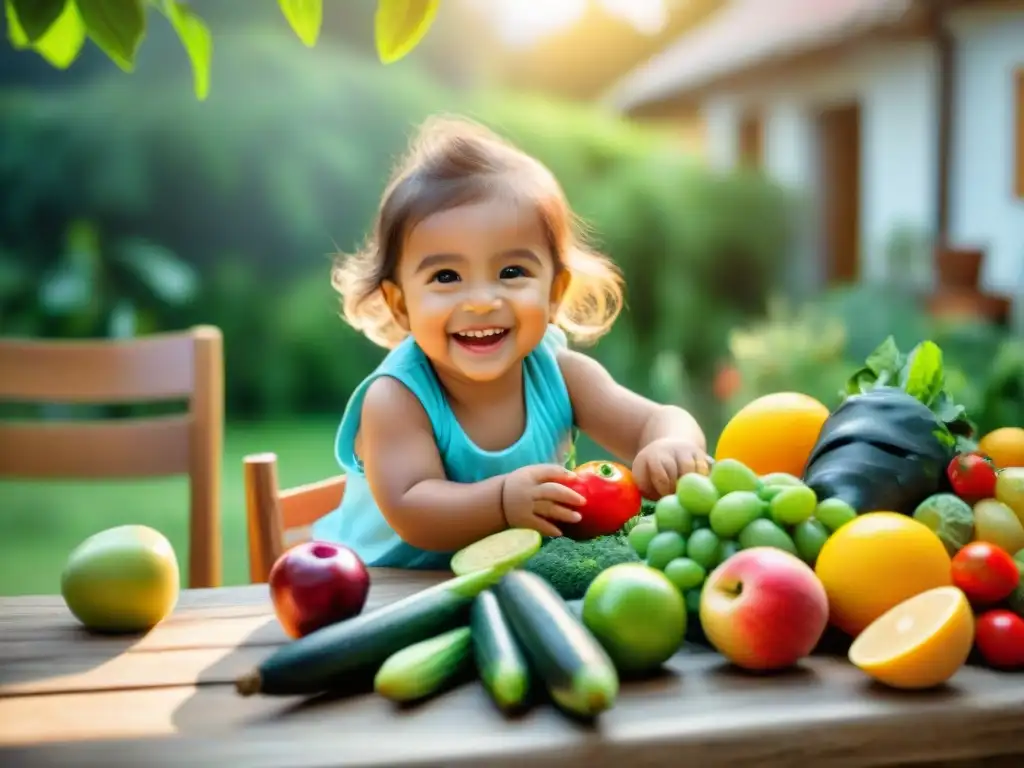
(167, 698)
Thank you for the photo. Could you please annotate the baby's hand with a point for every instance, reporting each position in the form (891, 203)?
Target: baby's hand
(533, 498)
(659, 465)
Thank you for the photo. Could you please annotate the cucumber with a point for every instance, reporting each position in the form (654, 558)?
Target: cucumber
(509, 548)
(499, 658)
(426, 667)
(349, 651)
(575, 669)
(576, 608)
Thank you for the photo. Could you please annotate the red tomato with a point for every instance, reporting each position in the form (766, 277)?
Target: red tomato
(999, 636)
(973, 476)
(612, 495)
(985, 573)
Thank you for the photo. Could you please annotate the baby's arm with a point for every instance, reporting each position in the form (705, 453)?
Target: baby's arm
(407, 479)
(621, 421)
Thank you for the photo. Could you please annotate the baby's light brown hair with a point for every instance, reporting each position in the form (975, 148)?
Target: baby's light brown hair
(453, 162)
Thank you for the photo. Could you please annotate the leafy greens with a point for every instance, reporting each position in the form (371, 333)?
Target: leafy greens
(920, 374)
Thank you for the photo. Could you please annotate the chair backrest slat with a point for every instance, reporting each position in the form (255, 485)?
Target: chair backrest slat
(186, 365)
(156, 447)
(160, 367)
(304, 504)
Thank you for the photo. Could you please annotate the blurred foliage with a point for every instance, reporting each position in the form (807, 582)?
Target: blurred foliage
(814, 348)
(253, 190)
(57, 29)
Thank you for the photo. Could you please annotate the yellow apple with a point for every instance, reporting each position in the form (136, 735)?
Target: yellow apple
(123, 579)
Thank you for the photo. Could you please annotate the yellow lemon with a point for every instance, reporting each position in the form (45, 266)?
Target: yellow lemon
(920, 643)
(1005, 446)
(875, 562)
(774, 433)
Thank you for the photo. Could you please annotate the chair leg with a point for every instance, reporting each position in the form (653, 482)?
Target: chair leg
(263, 515)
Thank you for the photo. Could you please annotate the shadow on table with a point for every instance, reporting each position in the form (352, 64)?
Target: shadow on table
(59, 656)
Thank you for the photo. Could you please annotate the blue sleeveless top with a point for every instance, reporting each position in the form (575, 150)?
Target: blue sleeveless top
(359, 524)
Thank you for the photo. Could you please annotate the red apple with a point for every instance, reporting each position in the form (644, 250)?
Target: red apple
(315, 584)
(763, 609)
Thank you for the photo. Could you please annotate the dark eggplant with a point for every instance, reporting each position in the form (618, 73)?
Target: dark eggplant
(881, 450)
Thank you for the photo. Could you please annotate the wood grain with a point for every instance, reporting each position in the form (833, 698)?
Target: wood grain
(166, 699)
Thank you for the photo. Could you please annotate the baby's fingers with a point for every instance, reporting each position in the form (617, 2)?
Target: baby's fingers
(545, 527)
(560, 494)
(560, 514)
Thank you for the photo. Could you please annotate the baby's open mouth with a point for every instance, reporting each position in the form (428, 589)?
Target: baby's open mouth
(481, 339)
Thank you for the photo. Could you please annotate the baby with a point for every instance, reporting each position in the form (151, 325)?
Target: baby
(473, 278)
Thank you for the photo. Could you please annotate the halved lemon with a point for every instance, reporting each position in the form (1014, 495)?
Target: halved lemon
(919, 643)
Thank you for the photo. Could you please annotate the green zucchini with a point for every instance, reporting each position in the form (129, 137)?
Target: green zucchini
(499, 658)
(352, 651)
(426, 667)
(576, 608)
(576, 670)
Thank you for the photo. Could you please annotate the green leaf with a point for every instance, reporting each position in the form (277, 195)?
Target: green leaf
(66, 290)
(862, 380)
(886, 359)
(305, 17)
(922, 376)
(195, 37)
(62, 42)
(116, 26)
(123, 320)
(170, 279)
(400, 25)
(15, 34)
(37, 16)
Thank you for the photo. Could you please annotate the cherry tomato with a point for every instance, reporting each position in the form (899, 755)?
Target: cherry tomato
(612, 495)
(985, 573)
(973, 476)
(999, 636)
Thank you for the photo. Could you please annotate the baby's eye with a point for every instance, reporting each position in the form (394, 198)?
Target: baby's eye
(511, 273)
(445, 276)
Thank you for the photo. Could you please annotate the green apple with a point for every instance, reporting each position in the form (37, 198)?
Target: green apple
(123, 579)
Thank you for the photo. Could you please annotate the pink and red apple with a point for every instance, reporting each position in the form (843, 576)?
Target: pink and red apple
(763, 609)
(315, 584)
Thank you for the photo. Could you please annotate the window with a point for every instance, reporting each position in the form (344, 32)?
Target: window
(1019, 134)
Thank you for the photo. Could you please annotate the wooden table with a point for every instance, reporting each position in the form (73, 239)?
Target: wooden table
(167, 699)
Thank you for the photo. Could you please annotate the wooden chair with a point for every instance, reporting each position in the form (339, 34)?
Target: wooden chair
(162, 367)
(278, 519)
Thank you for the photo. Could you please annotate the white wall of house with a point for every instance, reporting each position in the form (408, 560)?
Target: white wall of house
(896, 87)
(984, 210)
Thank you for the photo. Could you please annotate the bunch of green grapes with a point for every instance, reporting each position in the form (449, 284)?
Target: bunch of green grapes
(709, 518)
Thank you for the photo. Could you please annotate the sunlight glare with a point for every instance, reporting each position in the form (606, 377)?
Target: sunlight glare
(521, 24)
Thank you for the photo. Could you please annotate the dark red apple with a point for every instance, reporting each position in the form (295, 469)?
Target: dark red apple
(315, 584)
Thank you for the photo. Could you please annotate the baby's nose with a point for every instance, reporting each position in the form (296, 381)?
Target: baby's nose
(482, 303)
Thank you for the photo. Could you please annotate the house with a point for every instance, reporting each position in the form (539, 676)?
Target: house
(890, 116)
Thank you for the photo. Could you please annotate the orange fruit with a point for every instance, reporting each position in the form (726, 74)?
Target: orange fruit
(874, 563)
(920, 643)
(774, 433)
(1005, 446)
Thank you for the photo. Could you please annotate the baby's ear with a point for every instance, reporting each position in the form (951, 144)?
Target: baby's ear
(395, 300)
(559, 286)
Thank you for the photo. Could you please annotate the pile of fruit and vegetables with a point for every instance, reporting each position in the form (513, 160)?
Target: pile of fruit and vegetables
(881, 520)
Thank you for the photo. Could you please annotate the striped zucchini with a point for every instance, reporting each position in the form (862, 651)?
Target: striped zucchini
(353, 650)
(426, 667)
(576, 670)
(499, 658)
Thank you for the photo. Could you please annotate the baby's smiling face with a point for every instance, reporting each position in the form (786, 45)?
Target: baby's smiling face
(476, 286)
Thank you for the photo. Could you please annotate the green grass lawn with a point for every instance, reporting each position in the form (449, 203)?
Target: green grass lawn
(41, 522)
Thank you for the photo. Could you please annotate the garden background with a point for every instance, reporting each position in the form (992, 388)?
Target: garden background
(128, 206)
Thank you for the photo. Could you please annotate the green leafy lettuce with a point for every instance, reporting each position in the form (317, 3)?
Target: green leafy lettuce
(920, 374)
